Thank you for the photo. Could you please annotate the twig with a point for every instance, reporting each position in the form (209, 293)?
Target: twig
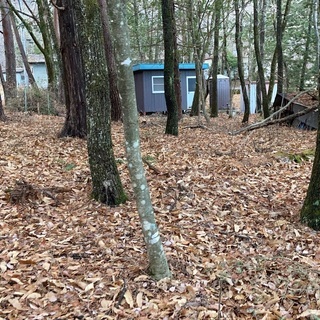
(201, 126)
(122, 293)
(220, 299)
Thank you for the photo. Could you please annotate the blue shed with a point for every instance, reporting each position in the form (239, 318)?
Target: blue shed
(39, 71)
(149, 86)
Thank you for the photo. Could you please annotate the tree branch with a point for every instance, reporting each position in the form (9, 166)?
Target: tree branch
(276, 121)
(268, 121)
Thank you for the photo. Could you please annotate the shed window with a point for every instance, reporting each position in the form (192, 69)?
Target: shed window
(157, 84)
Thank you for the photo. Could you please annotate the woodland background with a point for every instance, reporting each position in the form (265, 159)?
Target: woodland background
(227, 205)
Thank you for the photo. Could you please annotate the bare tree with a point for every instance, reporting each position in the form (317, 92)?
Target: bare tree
(169, 61)
(239, 46)
(158, 265)
(75, 124)
(215, 61)
(259, 59)
(106, 183)
(24, 57)
(116, 114)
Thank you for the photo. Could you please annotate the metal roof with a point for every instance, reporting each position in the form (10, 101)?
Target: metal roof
(160, 66)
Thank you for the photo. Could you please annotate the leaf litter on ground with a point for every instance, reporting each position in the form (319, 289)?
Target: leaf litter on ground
(227, 208)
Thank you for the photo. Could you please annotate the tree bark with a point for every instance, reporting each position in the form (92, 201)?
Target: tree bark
(279, 46)
(24, 57)
(50, 46)
(306, 52)
(75, 124)
(3, 117)
(259, 59)
(215, 60)
(116, 114)
(310, 212)
(106, 184)
(10, 56)
(158, 265)
(240, 63)
(177, 84)
(169, 91)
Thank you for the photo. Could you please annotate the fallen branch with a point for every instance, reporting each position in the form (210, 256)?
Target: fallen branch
(24, 192)
(151, 166)
(197, 126)
(268, 121)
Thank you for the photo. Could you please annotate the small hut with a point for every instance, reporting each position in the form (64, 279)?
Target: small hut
(149, 86)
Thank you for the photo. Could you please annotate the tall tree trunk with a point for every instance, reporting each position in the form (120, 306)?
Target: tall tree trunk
(259, 59)
(136, 29)
(52, 56)
(171, 102)
(158, 265)
(116, 114)
(10, 56)
(310, 212)
(24, 57)
(306, 52)
(106, 184)
(240, 62)
(262, 30)
(177, 84)
(75, 124)
(279, 46)
(215, 61)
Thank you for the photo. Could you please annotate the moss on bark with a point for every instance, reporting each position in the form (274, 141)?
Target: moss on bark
(310, 215)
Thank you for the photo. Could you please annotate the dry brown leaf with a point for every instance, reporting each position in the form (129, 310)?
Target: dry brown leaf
(227, 207)
(15, 303)
(129, 299)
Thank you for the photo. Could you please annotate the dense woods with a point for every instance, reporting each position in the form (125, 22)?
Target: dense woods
(109, 213)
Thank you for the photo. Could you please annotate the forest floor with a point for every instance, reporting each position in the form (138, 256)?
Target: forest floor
(227, 208)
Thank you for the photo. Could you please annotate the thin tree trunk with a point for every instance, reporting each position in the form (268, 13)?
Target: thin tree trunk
(158, 265)
(24, 57)
(116, 114)
(177, 84)
(51, 47)
(215, 61)
(136, 29)
(279, 46)
(306, 52)
(240, 63)
(169, 61)
(257, 47)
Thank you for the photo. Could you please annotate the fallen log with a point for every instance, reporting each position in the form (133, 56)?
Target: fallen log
(270, 121)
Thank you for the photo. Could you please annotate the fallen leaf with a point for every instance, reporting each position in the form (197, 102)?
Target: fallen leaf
(129, 299)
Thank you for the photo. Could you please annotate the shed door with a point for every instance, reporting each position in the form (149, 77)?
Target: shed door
(191, 88)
